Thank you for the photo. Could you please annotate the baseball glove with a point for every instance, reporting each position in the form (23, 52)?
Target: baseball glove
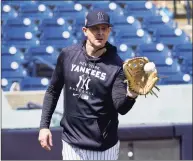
(138, 80)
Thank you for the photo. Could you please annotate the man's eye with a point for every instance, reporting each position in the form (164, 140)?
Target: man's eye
(94, 28)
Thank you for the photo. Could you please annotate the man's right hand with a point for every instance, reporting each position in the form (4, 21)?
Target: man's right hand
(45, 139)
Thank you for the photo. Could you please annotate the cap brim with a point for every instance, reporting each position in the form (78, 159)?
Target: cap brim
(100, 23)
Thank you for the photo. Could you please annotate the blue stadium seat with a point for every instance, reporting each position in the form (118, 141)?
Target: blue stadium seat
(6, 83)
(125, 56)
(73, 10)
(110, 7)
(78, 23)
(111, 39)
(18, 24)
(47, 53)
(92, 3)
(157, 50)
(20, 37)
(124, 24)
(186, 66)
(140, 9)
(34, 83)
(11, 51)
(35, 11)
(70, 11)
(170, 37)
(17, 4)
(12, 61)
(158, 22)
(55, 22)
(169, 67)
(124, 51)
(124, 2)
(80, 35)
(183, 52)
(57, 36)
(133, 37)
(13, 70)
(12, 64)
(58, 3)
(177, 78)
(8, 12)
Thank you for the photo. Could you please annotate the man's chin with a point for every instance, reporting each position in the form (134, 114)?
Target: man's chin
(99, 45)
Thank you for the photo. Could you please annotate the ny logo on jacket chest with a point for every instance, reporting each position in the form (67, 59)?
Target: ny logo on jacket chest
(83, 82)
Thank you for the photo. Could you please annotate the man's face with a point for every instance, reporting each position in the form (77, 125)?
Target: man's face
(97, 35)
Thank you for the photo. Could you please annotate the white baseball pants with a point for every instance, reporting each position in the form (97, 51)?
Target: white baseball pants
(70, 152)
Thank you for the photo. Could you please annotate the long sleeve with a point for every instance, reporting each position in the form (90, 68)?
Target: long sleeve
(52, 93)
(122, 102)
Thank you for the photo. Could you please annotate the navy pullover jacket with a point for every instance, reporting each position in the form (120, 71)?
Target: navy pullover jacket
(95, 93)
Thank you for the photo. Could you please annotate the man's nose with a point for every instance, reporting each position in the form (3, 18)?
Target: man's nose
(100, 32)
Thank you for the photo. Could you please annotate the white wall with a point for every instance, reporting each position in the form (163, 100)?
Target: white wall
(174, 105)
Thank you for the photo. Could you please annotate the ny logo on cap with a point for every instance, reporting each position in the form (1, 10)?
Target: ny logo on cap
(100, 16)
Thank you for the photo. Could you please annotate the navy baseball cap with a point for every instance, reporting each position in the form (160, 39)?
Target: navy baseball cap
(97, 17)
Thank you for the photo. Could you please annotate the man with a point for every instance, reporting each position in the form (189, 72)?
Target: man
(95, 93)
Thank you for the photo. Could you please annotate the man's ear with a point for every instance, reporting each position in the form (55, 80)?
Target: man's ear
(84, 31)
